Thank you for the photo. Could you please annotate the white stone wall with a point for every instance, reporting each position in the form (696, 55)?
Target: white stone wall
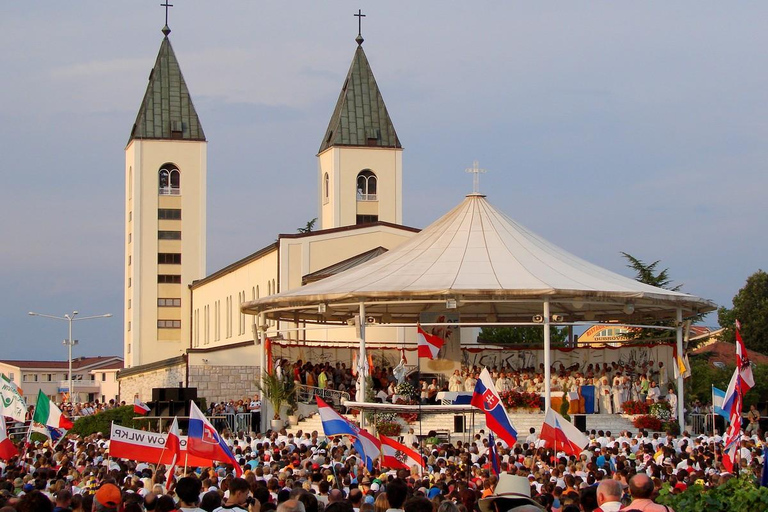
(144, 382)
(219, 383)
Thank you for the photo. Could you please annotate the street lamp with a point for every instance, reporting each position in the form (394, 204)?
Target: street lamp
(69, 342)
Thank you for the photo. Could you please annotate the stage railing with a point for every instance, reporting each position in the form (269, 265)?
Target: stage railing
(305, 394)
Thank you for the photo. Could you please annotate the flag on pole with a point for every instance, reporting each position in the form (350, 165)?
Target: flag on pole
(47, 413)
(718, 400)
(682, 366)
(12, 404)
(743, 363)
(732, 442)
(562, 435)
(493, 454)
(429, 344)
(396, 455)
(8, 450)
(203, 440)
(140, 407)
(173, 445)
(335, 425)
(487, 399)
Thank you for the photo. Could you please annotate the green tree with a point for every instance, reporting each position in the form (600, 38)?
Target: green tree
(750, 307)
(309, 227)
(521, 335)
(650, 274)
(647, 273)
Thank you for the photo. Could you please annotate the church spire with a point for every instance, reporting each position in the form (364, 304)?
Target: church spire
(167, 111)
(360, 117)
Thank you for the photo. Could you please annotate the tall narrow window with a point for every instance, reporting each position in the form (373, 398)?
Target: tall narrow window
(366, 185)
(169, 180)
(326, 188)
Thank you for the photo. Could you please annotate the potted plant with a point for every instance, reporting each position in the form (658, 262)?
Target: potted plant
(293, 418)
(278, 393)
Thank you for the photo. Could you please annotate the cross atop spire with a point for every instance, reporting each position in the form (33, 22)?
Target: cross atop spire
(166, 29)
(359, 17)
(476, 170)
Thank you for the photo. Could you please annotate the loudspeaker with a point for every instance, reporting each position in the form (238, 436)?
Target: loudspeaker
(172, 394)
(458, 424)
(580, 422)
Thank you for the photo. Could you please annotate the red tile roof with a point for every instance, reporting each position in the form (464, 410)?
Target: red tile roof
(726, 352)
(106, 362)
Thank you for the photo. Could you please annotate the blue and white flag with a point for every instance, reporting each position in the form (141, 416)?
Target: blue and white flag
(718, 400)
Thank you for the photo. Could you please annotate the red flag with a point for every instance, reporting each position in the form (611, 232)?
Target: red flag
(173, 445)
(560, 434)
(8, 450)
(396, 455)
(743, 363)
(429, 344)
(140, 407)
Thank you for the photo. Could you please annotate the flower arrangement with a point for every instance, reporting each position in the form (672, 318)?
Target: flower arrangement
(518, 400)
(405, 388)
(386, 423)
(635, 407)
(409, 417)
(661, 410)
(648, 422)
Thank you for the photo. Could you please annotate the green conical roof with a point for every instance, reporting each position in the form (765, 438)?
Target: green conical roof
(360, 117)
(167, 111)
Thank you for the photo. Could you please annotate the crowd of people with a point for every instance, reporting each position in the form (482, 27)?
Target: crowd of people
(614, 383)
(307, 472)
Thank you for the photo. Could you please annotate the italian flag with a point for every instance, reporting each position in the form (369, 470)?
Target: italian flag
(47, 413)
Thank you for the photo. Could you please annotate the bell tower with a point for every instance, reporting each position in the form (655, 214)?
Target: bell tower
(165, 209)
(360, 158)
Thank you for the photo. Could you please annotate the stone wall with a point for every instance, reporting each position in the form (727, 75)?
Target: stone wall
(142, 383)
(219, 383)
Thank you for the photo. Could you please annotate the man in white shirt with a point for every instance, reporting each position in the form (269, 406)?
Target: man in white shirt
(609, 495)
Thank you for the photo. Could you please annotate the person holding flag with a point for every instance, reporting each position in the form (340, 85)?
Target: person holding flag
(741, 382)
(203, 440)
(173, 445)
(47, 413)
(335, 425)
(487, 399)
(493, 455)
(562, 435)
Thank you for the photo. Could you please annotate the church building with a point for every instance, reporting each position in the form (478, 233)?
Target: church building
(183, 328)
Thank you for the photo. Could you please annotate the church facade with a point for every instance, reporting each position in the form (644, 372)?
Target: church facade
(183, 328)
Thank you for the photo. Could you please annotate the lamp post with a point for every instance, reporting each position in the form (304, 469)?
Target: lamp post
(69, 342)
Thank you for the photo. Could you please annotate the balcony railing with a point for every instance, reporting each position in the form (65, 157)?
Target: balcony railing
(169, 191)
(366, 197)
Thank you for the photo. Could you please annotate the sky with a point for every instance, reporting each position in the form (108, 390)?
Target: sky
(604, 126)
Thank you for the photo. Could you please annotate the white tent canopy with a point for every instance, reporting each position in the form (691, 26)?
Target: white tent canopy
(492, 266)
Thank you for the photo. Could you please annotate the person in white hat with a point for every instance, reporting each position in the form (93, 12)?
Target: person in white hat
(512, 494)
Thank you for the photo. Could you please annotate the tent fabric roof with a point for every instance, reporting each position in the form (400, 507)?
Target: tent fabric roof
(476, 251)
(167, 111)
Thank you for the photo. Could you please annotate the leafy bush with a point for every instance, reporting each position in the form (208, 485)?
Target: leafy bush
(101, 422)
(648, 422)
(736, 494)
(635, 407)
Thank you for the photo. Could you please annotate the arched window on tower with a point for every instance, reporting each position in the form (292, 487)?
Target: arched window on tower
(169, 180)
(326, 188)
(366, 185)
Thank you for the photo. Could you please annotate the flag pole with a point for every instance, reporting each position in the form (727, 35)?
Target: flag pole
(713, 409)
(418, 381)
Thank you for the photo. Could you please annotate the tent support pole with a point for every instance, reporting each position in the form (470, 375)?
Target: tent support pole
(363, 363)
(680, 376)
(547, 359)
(261, 334)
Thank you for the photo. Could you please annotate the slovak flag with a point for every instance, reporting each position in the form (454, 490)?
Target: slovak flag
(335, 425)
(487, 399)
(173, 445)
(560, 434)
(396, 455)
(429, 344)
(203, 440)
(140, 407)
